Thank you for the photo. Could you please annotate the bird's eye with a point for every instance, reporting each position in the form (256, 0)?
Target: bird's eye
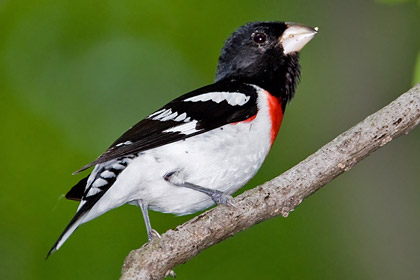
(259, 37)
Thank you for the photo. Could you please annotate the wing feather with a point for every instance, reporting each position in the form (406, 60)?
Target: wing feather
(193, 113)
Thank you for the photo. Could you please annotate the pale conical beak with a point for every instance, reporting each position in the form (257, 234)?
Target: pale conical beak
(296, 36)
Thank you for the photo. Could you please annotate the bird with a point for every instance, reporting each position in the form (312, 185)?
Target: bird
(200, 148)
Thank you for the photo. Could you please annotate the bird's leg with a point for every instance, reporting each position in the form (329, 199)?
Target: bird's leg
(150, 232)
(216, 195)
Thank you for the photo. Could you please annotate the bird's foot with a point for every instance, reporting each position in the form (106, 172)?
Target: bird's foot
(222, 198)
(170, 273)
(152, 235)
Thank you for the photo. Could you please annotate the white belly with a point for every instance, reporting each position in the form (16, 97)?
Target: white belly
(226, 165)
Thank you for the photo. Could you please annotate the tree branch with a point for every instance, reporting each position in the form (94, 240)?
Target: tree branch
(278, 196)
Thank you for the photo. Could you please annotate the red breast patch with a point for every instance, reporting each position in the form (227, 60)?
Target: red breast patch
(276, 115)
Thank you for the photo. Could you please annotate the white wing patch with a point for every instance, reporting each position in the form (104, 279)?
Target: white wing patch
(170, 117)
(124, 143)
(186, 128)
(107, 174)
(118, 166)
(93, 191)
(181, 117)
(167, 115)
(99, 183)
(232, 98)
(188, 124)
(162, 114)
(155, 113)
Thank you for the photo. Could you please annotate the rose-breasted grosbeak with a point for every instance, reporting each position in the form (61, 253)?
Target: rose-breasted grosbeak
(200, 148)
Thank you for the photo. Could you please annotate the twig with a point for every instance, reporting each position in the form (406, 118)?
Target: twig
(278, 196)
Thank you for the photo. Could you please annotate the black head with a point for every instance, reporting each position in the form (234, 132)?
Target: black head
(265, 54)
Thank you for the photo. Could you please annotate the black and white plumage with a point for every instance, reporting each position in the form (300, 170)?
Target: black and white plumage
(200, 148)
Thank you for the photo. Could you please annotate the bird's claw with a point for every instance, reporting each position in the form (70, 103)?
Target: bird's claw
(170, 273)
(222, 198)
(153, 234)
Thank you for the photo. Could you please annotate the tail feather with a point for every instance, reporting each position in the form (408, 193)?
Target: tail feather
(77, 220)
(71, 227)
(78, 190)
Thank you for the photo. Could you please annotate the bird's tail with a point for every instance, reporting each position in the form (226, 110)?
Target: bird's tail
(77, 220)
(71, 227)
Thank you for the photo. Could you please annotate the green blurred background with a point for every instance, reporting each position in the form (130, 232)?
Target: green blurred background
(74, 75)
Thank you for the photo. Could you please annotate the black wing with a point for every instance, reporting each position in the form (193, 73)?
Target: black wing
(196, 112)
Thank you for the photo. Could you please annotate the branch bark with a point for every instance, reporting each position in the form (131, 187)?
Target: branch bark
(278, 196)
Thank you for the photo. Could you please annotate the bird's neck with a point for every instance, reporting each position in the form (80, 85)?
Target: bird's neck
(279, 79)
